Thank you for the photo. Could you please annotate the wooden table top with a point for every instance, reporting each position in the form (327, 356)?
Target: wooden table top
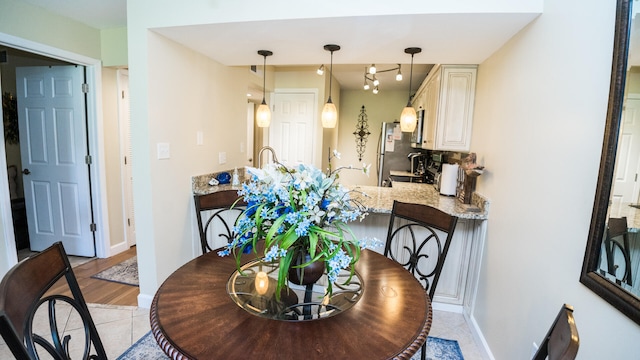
(193, 317)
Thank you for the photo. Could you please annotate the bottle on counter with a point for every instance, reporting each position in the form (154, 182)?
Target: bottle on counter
(235, 179)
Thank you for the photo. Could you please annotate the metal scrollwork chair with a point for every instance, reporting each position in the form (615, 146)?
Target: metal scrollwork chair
(25, 291)
(617, 242)
(216, 214)
(418, 239)
(562, 340)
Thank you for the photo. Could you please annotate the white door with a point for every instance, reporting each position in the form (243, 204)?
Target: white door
(291, 133)
(125, 150)
(53, 146)
(628, 156)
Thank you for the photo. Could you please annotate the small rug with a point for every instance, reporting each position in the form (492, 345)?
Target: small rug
(440, 349)
(144, 349)
(125, 272)
(437, 349)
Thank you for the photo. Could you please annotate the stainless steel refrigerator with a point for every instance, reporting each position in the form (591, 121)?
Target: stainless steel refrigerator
(394, 147)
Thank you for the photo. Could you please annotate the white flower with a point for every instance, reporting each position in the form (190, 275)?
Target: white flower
(336, 154)
(366, 169)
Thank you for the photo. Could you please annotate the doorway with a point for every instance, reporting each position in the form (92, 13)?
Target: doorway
(40, 54)
(292, 130)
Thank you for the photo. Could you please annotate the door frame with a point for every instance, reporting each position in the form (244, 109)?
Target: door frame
(97, 172)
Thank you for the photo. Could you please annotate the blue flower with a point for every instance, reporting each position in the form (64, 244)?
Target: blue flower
(298, 204)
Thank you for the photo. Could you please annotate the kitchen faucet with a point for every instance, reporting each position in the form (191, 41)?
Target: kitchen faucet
(273, 155)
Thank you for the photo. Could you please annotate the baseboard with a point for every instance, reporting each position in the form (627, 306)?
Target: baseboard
(118, 248)
(479, 337)
(144, 301)
(438, 306)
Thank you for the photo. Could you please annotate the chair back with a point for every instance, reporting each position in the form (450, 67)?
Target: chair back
(26, 290)
(617, 250)
(418, 238)
(562, 340)
(216, 214)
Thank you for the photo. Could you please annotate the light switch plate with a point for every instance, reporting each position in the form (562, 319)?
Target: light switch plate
(222, 157)
(164, 151)
(199, 138)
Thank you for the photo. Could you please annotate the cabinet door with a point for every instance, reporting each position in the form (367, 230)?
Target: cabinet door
(432, 94)
(455, 108)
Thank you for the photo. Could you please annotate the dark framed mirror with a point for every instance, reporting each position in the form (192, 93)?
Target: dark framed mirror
(601, 270)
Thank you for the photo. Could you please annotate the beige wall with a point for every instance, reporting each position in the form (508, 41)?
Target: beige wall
(384, 107)
(113, 158)
(540, 110)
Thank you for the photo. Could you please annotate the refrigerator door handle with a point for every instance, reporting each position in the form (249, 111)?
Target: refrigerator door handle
(380, 154)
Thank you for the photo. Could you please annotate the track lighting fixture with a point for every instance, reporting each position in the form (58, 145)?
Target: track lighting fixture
(320, 70)
(366, 83)
(370, 76)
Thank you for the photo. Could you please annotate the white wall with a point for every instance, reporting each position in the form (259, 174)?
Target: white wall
(185, 93)
(540, 111)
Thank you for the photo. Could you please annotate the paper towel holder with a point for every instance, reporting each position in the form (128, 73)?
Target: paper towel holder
(449, 179)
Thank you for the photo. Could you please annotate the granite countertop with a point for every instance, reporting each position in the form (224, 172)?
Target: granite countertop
(380, 199)
(632, 214)
(200, 183)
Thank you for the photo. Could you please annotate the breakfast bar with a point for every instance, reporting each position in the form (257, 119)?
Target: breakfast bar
(458, 283)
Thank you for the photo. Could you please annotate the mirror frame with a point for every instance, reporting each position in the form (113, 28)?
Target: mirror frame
(615, 295)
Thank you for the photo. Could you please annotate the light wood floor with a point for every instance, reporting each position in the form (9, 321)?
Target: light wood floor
(97, 291)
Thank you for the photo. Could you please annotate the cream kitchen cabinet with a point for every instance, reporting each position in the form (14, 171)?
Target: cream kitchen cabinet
(447, 95)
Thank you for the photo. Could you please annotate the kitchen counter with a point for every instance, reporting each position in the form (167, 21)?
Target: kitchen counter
(632, 214)
(380, 199)
(200, 183)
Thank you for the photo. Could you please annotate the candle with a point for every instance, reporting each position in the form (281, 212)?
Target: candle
(262, 282)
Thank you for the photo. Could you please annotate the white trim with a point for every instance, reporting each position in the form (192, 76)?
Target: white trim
(438, 306)
(144, 301)
(118, 248)
(479, 337)
(96, 146)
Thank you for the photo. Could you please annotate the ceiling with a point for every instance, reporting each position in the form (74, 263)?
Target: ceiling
(444, 38)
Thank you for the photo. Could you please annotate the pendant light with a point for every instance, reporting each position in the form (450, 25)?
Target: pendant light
(329, 112)
(408, 117)
(263, 115)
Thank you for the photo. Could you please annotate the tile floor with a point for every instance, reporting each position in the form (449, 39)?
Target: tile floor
(121, 326)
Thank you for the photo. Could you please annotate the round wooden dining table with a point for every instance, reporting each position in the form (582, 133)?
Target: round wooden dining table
(193, 317)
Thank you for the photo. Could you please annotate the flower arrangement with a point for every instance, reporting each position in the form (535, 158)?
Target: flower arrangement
(298, 208)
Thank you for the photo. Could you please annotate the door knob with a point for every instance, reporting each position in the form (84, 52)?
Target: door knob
(26, 171)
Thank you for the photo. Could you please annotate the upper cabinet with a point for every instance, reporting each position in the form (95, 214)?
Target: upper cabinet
(447, 96)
